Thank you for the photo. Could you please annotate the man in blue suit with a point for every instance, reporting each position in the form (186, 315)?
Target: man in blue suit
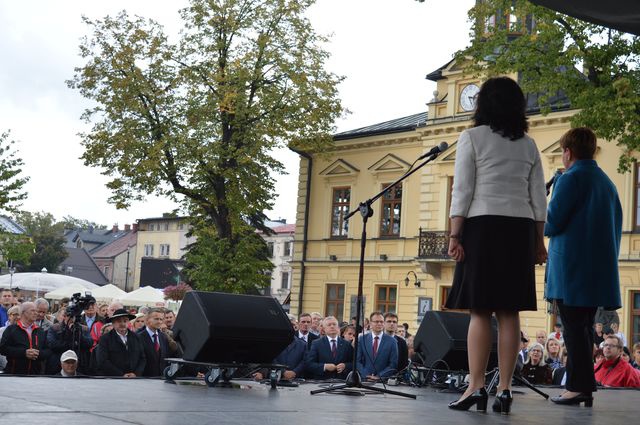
(584, 221)
(330, 356)
(377, 352)
(292, 357)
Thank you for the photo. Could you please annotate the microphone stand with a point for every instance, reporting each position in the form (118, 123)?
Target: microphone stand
(354, 380)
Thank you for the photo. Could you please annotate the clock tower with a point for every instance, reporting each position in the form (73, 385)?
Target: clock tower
(455, 94)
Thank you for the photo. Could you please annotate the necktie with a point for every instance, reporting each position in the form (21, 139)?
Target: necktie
(334, 351)
(156, 344)
(375, 347)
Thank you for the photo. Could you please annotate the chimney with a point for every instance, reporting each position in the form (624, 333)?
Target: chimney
(115, 228)
(134, 227)
(127, 227)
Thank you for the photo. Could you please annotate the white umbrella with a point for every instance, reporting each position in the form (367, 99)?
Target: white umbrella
(43, 282)
(65, 291)
(107, 293)
(145, 295)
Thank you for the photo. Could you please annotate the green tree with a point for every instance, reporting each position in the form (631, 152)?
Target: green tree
(73, 223)
(197, 121)
(11, 182)
(46, 235)
(594, 66)
(239, 265)
(16, 250)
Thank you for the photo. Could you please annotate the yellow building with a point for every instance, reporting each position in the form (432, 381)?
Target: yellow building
(408, 230)
(162, 238)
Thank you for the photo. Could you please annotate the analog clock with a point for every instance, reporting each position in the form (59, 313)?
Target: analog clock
(468, 97)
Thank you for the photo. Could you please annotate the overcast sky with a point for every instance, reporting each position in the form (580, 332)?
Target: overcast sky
(384, 48)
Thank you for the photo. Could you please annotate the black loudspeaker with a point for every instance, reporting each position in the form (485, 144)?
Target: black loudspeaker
(214, 327)
(441, 340)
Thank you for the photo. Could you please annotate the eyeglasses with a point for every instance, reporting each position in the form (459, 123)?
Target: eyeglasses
(611, 346)
(377, 321)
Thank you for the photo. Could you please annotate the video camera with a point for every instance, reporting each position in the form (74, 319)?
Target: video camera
(78, 303)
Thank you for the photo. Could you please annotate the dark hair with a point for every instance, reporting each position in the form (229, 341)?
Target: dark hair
(580, 141)
(501, 105)
(375, 313)
(390, 314)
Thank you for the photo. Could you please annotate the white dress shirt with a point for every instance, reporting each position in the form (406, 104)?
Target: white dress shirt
(497, 176)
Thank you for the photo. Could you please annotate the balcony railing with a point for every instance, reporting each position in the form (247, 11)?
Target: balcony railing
(433, 245)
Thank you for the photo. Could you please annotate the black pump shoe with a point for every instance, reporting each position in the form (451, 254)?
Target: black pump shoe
(502, 403)
(478, 397)
(585, 398)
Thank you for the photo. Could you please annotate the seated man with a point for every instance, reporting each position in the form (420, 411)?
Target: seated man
(377, 352)
(329, 356)
(612, 371)
(120, 352)
(292, 357)
(68, 364)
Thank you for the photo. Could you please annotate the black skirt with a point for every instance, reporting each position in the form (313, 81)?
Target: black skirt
(498, 271)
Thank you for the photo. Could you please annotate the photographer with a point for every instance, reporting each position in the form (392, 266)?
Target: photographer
(60, 338)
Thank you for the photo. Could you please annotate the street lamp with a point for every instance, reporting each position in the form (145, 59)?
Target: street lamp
(12, 270)
(415, 276)
(126, 274)
(43, 271)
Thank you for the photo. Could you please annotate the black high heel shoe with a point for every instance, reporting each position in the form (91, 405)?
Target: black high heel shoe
(502, 403)
(585, 398)
(478, 397)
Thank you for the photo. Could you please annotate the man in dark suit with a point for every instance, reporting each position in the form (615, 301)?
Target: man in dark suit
(120, 352)
(330, 356)
(292, 357)
(155, 343)
(304, 326)
(377, 352)
(390, 328)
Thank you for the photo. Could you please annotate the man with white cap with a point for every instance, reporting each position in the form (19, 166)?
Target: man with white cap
(69, 363)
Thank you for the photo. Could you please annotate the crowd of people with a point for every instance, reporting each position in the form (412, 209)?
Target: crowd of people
(543, 361)
(99, 340)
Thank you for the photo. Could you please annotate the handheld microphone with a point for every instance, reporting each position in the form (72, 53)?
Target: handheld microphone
(435, 150)
(552, 180)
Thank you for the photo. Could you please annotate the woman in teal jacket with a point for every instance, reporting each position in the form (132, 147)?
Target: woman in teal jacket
(584, 221)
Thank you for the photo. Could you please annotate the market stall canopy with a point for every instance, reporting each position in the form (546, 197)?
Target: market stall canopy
(43, 282)
(65, 292)
(146, 295)
(107, 293)
(622, 15)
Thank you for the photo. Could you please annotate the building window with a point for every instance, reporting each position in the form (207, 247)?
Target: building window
(490, 24)
(386, 296)
(444, 294)
(284, 281)
(152, 227)
(636, 200)
(334, 305)
(148, 250)
(288, 249)
(635, 318)
(339, 210)
(180, 226)
(166, 227)
(164, 249)
(270, 246)
(106, 271)
(391, 209)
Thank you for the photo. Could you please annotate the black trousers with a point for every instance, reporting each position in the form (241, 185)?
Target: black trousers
(578, 339)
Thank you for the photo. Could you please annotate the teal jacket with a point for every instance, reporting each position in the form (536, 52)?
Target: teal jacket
(584, 221)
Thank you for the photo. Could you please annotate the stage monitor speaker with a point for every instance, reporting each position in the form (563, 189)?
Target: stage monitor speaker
(214, 327)
(441, 340)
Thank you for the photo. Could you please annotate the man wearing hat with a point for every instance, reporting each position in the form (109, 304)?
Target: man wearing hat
(69, 363)
(120, 352)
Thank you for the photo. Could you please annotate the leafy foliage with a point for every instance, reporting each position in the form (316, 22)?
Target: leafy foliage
(197, 120)
(46, 235)
(11, 182)
(595, 67)
(70, 222)
(176, 292)
(16, 250)
(239, 265)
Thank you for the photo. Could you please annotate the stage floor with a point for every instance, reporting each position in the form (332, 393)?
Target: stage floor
(116, 401)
